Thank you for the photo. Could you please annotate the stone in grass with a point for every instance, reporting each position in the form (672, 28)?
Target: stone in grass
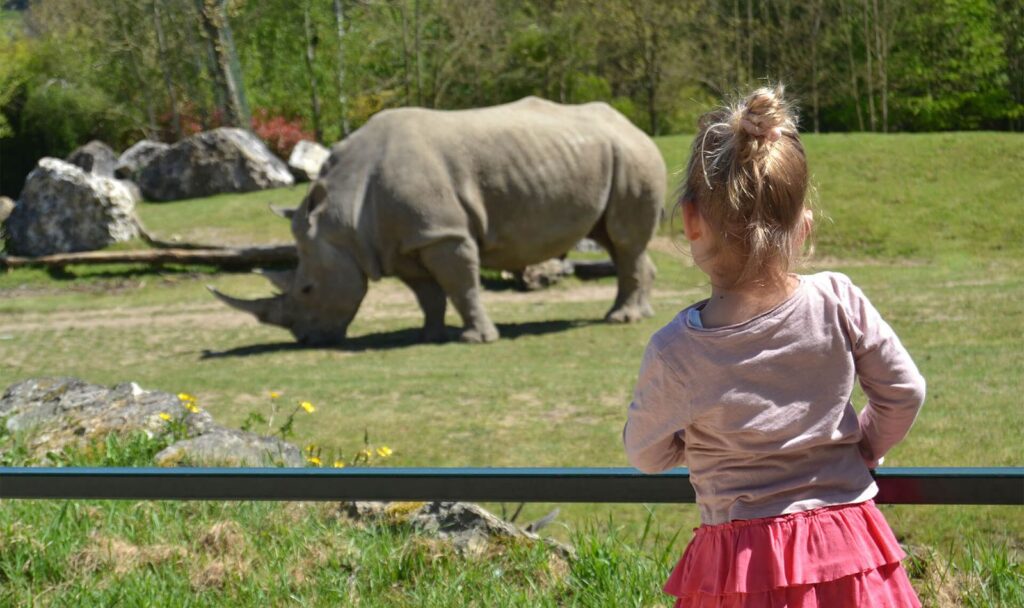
(306, 159)
(544, 274)
(469, 527)
(63, 209)
(60, 412)
(213, 162)
(231, 448)
(94, 157)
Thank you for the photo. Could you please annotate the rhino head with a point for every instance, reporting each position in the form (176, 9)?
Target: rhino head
(319, 298)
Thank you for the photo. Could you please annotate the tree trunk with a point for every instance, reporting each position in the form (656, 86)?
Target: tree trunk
(133, 64)
(870, 72)
(881, 47)
(314, 94)
(750, 39)
(737, 44)
(815, 34)
(214, 18)
(418, 53)
(168, 81)
(339, 19)
(848, 25)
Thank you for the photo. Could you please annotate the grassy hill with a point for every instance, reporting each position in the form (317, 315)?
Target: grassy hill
(931, 226)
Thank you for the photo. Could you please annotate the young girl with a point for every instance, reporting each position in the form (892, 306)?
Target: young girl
(751, 389)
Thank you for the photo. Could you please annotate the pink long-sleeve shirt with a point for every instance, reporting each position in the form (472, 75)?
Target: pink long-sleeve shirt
(761, 412)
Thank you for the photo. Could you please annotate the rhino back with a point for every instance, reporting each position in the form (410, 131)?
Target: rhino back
(526, 180)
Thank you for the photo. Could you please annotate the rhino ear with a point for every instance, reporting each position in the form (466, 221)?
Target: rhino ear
(313, 203)
(285, 212)
(316, 196)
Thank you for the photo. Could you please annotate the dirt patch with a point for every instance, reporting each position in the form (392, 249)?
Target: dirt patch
(223, 548)
(387, 299)
(202, 316)
(120, 557)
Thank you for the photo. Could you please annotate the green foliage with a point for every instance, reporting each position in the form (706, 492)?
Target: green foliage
(62, 115)
(951, 68)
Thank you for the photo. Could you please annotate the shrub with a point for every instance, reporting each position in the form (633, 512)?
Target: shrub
(279, 133)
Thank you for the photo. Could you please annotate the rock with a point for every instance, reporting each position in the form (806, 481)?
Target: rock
(136, 158)
(306, 159)
(94, 157)
(6, 207)
(545, 274)
(213, 162)
(133, 190)
(62, 411)
(63, 209)
(469, 527)
(231, 448)
(588, 246)
(59, 412)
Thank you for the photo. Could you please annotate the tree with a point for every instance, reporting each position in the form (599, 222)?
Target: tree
(213, 18)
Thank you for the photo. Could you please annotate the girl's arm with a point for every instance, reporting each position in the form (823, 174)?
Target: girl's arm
(654, 436)
(892, 383)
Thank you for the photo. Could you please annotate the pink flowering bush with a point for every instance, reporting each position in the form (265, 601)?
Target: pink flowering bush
(279, 133)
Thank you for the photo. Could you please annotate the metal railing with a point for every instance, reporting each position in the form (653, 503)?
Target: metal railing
(940, 486)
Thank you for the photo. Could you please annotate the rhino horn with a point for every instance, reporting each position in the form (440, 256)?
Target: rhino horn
(285, 212)
(267, 310)
(282, 279)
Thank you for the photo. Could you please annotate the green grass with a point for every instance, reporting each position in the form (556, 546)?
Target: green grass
(929, 225)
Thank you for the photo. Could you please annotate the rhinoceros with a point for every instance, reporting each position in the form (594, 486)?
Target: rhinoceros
(434, 196)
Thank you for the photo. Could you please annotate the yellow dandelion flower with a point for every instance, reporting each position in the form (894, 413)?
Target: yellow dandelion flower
(185, 397)
(384, 451)
(338, 464)
(306, 405)
(274, 394)
(314, 460)
(367, 453)
(191, 406)
(165, 416)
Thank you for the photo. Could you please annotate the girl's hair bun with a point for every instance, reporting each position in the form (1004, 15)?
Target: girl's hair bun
(747, 175)
(763, 115)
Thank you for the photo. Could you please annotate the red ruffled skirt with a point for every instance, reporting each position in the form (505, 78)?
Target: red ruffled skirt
(843, 556)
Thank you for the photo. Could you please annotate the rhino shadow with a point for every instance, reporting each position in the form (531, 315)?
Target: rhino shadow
(400, 338)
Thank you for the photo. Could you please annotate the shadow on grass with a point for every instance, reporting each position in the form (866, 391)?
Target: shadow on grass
(400, 338)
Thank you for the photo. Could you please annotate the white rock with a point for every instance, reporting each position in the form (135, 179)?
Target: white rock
(63, 209)
(306, 159)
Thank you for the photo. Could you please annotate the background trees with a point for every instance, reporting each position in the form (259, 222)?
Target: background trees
(125, 69)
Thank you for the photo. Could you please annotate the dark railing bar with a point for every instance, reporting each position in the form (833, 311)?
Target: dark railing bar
(993, 486)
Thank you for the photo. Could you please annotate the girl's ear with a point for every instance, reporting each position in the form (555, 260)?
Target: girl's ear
(693, 223)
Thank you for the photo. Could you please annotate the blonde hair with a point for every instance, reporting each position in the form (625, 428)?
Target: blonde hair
(748, 178)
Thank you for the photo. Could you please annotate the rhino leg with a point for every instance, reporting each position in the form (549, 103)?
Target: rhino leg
(455, 264)
(632, 302)
(433, 302)
(635, 273)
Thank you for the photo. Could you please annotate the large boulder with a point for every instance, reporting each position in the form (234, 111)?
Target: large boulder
(94, 157)
(61, 412)
(306, 159)
(63, 209)
(136, 158)
(213, 162)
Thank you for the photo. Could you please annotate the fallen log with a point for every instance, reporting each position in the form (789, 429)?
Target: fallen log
(241, 257)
